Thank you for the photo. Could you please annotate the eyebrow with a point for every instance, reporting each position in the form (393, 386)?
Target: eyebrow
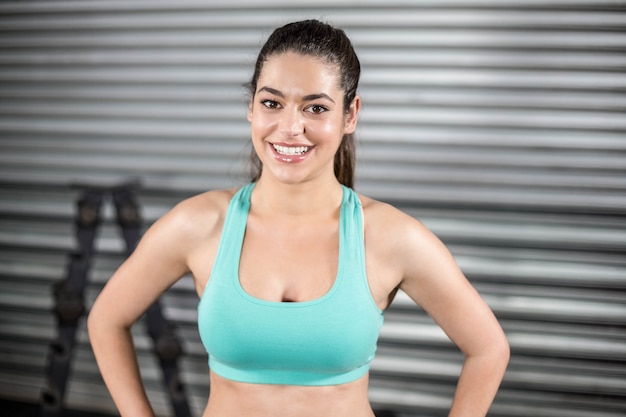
(309, 97)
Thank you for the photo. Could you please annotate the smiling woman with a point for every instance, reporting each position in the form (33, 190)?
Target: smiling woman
(331, 48)
(298, 116)
(295, 269)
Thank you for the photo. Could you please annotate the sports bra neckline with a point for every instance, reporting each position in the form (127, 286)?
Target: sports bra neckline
(245, 200)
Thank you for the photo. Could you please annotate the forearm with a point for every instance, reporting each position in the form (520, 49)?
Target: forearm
(116, 357)
(478, 384)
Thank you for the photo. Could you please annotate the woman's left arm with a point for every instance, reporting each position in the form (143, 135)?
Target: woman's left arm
(433, 280)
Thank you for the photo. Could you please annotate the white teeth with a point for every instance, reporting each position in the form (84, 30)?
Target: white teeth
(291, 150)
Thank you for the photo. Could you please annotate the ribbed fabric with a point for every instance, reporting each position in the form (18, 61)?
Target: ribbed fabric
(326, 341)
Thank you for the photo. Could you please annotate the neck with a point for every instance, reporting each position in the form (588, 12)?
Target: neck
(309, 198)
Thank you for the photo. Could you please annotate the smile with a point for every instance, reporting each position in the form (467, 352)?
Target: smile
(291, 150)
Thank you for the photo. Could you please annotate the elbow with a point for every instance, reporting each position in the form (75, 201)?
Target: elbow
(494, 356)
(502, 351)
(93, 321)
(105, 322)
(504, 347)
(96, 322)
(495, 351)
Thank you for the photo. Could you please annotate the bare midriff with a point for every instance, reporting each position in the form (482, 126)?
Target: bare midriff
(230, 398)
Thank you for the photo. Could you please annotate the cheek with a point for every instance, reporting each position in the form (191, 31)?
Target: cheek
(260, 122)
(328, 131)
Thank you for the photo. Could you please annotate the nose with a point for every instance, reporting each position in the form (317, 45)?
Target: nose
(292, 123)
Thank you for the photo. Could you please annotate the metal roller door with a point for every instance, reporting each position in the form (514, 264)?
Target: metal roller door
(499, 124)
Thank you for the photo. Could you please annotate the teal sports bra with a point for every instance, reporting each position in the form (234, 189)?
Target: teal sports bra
(329, 340)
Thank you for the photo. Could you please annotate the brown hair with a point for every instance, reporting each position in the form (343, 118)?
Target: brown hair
(320, 40)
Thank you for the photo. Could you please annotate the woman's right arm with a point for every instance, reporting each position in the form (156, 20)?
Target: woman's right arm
(159, 260)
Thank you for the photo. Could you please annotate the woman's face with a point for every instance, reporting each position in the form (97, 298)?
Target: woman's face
(297, 118)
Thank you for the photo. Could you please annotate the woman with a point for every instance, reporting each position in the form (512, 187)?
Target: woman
(295, 269)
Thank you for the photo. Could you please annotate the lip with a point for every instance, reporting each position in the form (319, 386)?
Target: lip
(290, 158)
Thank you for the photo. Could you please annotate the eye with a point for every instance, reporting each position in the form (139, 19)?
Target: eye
(270, 104)
(317, 109)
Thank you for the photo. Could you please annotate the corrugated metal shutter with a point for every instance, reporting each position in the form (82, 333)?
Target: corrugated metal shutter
(500, 124)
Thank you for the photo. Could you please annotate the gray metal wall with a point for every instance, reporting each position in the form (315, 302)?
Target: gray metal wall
(499, 123)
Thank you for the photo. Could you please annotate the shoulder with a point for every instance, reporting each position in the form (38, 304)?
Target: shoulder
(398, 236)
(201, 212)
(207, 204)
(194, 218)
(384, 219)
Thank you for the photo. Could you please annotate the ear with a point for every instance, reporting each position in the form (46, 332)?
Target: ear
(351, 118)
(249, 116)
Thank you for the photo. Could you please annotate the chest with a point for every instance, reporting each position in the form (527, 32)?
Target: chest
(326, 335)
(284, 260)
